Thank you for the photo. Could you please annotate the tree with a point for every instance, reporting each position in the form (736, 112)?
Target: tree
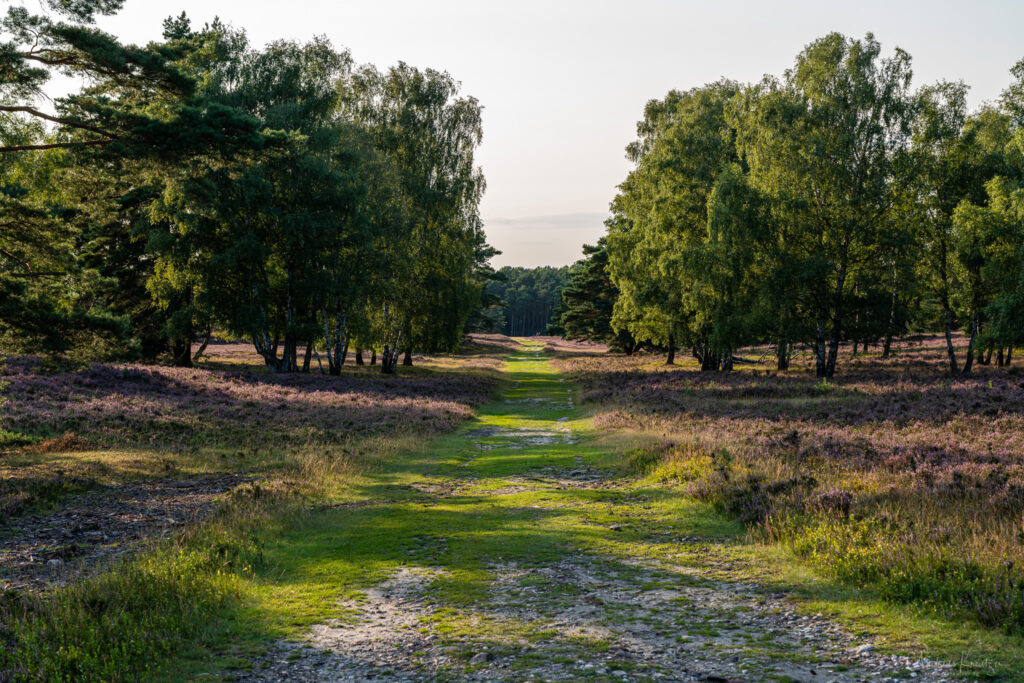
(528, 297)
(956, 155)
(429, 135)
(266, 242)
(141, 115)
(658, 234)
(829, 145)
(588, 301)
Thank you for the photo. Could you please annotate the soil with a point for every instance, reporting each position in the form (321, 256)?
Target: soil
(39, 552)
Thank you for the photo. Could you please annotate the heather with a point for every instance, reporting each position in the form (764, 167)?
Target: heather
(124, 405)
(891, 475)
(98, 437)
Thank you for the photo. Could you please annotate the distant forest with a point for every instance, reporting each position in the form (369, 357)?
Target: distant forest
(522, 301)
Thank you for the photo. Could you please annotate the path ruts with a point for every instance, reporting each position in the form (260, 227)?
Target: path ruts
(523, 559)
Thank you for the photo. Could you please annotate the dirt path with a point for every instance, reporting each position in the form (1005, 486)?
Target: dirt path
(524, 560)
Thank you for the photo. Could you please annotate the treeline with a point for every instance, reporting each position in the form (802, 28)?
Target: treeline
(284, 195)
(832, 204)
(521, 301)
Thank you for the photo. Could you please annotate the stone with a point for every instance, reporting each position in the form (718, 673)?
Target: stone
(481, 658)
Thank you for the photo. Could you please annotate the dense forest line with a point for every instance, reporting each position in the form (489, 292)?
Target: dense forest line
(832, 204)
(197, 185)
(521, 301)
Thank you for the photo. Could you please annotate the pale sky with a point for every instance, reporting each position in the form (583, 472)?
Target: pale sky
(563, 82)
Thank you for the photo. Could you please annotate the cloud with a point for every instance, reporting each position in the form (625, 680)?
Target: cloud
(554, 239)
(557, 221)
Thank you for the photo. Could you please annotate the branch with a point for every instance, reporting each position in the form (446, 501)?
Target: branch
(53, 274)
(54, 145)
(65, 60)
(21, 262)
(57, 119)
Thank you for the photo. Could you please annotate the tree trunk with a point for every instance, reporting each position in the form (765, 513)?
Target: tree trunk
(182, 346)
(854, 354)
(182, 350)
(819, 346)
(891, 330)
(782, 354)
(833, 354)
(975, 324)
(1000, 357)
(708, 361)
(671, 350)
(950, 351)
(407, 360)
(359, 356)
(307, 357)
(344, 354)
(389, 356)
(291, 354)
(202, 347)
(373, 356)
(1009, 355)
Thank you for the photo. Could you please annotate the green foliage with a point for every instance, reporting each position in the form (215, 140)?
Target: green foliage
(820, 207)
(588, 302)
(867, 552)
(524, 299)
(115, 627)
(198, 184)
(657, 234)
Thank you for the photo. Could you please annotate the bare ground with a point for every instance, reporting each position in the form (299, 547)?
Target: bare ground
(42, 551)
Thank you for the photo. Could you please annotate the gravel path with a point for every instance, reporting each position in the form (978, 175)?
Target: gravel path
(584, 617)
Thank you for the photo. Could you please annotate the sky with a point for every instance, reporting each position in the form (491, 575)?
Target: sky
(563, 82)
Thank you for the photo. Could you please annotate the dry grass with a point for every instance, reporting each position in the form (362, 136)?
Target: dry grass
(891, 474)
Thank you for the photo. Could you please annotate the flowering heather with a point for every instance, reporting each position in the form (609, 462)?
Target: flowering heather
(892, 473)
(233, 404)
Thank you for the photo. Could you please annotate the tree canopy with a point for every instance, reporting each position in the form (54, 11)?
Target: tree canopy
(834, 203)
(198, 185)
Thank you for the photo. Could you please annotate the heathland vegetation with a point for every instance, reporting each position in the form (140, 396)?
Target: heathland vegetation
(839, 467)
(831, 216)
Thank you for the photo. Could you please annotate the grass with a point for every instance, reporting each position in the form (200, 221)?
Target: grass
(337, 553)
(279, 559)
(183, 594)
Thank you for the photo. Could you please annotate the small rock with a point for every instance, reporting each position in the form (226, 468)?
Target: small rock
(616, 527)
(481, 658)
(864, 649)
(55, 563)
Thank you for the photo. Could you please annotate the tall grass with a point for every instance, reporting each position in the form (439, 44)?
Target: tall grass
(891, 476)
(122, 624)
(960, 556)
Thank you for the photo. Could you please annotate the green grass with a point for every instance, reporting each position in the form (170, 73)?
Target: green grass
(289, 570)
(335, 554)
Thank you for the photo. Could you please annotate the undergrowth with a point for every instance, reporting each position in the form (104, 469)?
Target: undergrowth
(120, 625)
(937, 553)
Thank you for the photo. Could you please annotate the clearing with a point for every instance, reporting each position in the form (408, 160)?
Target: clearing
(515, 550)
